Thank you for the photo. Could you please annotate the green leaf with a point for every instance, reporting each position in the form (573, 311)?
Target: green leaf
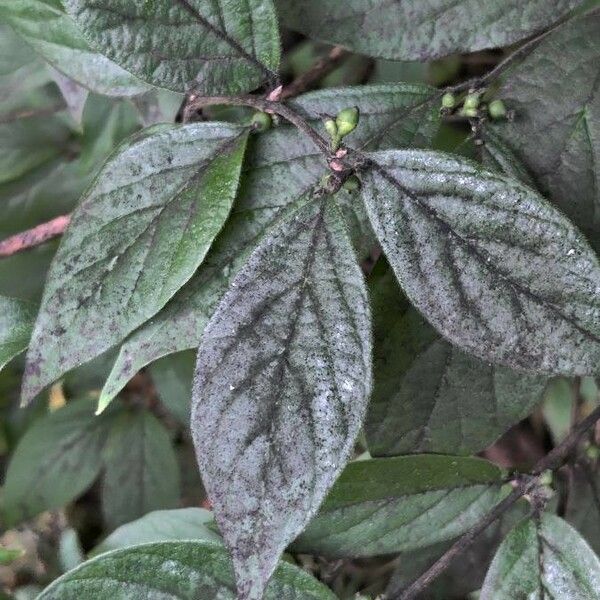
(50, 32)
(583, 502)
(428, 396)
(389, 505)
(494, 267)
(175, 570)
(556, 131)
(543, 557)
(162, 525)
(16, 322)
(211, 47)
(7, 555)
(56, 460)
(281, 166)
(497, 156)
(281, 387)
(141, 473)
(416, 30)
(139, 233)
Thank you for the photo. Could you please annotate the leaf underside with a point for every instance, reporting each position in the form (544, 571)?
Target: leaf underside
(16, 323)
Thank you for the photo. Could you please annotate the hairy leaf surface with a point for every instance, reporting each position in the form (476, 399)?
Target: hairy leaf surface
(417, 30)
(493, 266)
(54, 35)
(139, 233)
(556, 132)
(388, 505)
(222, 46)
(541, 558)
(141, 473)
(16, 322)
(175, 570)
(280, 167)
(56, 460)
(281, 387)
(428, 396)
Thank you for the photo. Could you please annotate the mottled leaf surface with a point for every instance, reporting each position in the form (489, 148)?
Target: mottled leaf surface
(16, 322)
(222, 46)
(281, 387)
(417, 30)
(141, 472)
(138, 234)
(543, 557)
(492, 265)
(389, 505)
(583, 504)
(160, 526)
(429, 396)
(56, 460)
(177, 571)
(54, 35)
(555, 93)
(280, 167)
(497, 156)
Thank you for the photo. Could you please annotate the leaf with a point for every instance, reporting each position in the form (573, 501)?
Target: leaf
(141, 473)
(583, 502)
(8, 555)
(162, 525)
(281, 387)
(493, 266)
(543, 557)
(56, 460)
(497, 156)
(555, 94)
(16, 323)
(281, 166)
(389, 505)
(178, 570)
(51, 33)
(416, 30)
(428, 396)
(211, 47)
(138, 234)
(74, 94)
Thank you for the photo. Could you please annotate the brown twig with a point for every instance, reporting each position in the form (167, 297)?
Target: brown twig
(323, 67)
(35, 236)
(523, 485)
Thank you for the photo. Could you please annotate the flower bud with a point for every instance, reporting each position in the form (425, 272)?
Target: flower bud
(448, 100)
(331, 128)
(352, 184)
(497, 109)
(347, 120)
(261, 121)
(469, 112)
(471, 101)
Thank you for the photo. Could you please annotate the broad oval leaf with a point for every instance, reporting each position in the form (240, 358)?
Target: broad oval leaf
(417, 30)
(54, 35)
(429, 396)
(56, 460)
(211, 47)
(390, 505)
(141, 472)
(175, 570)
(281, 166)
(139, 233)
(281, 387)
(543, 557)
(493, 266)
(555, 95)
(16, 322)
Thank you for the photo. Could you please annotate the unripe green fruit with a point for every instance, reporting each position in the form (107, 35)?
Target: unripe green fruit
(331, 127)
(352, 184)
(593, 452)
(448, 100)
(347, 120)
(469, 112)
(471, 101)
(261, 121)
(497, 109)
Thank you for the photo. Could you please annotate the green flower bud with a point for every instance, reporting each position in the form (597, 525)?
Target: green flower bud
(448, 100)
(546, 478)
(352, 184)
(261, 121)
(593, 452)
(331, 128)
(497, 109)
(471, 101)
(469, 112)
(347, 120)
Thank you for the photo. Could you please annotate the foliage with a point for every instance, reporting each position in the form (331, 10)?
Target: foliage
(331, 299)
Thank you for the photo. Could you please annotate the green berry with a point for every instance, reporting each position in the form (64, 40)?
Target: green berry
(448, 100)
(331, 128)
(471, 101)
(352, 184)
(497, 109)
(546, 478)
(347, 120)
(469, 112)
(261, 121)
(593, 452)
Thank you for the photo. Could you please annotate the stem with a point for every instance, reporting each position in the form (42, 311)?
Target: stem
(523, 485)
(34, 236)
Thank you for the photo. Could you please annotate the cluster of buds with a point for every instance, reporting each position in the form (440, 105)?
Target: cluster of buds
(471, 106)
(345, 123)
